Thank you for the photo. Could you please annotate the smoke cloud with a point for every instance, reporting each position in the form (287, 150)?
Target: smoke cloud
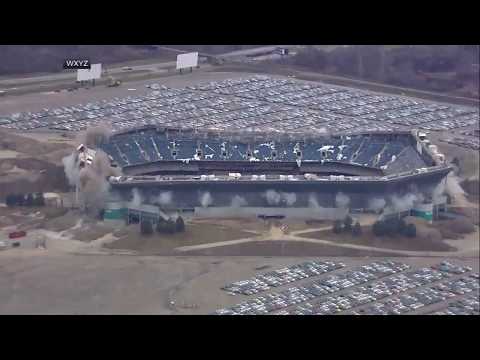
(92, 179)
(206, 199)
(403, 203)
(96, 135)
(312, 202)
(275, 198)
(72, 170)
(239, 201)
(165, 198)
(455, 191)
(289, 198)
(377, 204)
(439, 191)
(137, 198)
(342, 200)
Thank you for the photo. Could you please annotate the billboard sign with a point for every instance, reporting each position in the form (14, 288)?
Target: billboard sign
(188, 60)
(95, 72)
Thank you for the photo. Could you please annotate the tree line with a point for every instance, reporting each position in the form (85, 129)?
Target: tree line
(394, 226)
(347, 225)
(407, 65)
(386, 227)
(163, 226)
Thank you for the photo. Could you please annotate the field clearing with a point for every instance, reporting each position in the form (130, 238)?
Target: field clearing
(368, 239)
(164, 244)
(284, 248)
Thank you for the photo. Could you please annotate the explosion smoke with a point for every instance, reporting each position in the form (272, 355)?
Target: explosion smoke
(273, 197)
(290, 198)
(137, 199)
(312, 202)
(92, 179)
(165, 198)
(403, 203)
(238, 201)
(377, 204)
(72, 170)
(342, 200)
(206, 199)
(95, 135)
(455, 191)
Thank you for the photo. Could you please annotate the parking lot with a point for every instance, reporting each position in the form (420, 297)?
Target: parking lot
(465, 142)
(282, 276)
(258, 103)
(378, 288)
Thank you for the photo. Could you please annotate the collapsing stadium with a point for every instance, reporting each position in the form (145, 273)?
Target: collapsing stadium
(222, 174)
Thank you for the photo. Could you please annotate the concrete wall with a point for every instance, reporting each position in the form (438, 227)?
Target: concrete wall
(318, 213)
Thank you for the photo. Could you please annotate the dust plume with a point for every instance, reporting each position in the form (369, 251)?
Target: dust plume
(165, 198)
(137, 198)
(276, 198)
(290, 198)
(403, 203)
(455, 191)
(238, 201)
(206, 199)
(273, 197)
(72, 169)
(312, 202)
(342, 200)
(95, 135)
(91, 179)
(377, 204)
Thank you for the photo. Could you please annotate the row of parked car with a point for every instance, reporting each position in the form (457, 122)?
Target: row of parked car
(275, 301)
(258, 103)
(468, 143)
(282, 276)
(362, 286)
(397, 284)
(469, 305)
(387, 110)
(408, 303)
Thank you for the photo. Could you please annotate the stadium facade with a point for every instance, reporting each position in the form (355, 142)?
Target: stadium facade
(247, 173)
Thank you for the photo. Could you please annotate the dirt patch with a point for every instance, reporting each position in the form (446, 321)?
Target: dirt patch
(472, 213)
(283, 248)
(420, 243)
(163, 244)
(249, 224)
(26, 145)
(454, 229)
(6, 221)
(28, 218)
(91, 231)
(263, 226)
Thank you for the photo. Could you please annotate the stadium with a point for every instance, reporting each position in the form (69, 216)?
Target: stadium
(209, 173)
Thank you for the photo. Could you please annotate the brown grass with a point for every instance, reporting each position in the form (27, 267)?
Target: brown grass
(195, 234)
(367, 238)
